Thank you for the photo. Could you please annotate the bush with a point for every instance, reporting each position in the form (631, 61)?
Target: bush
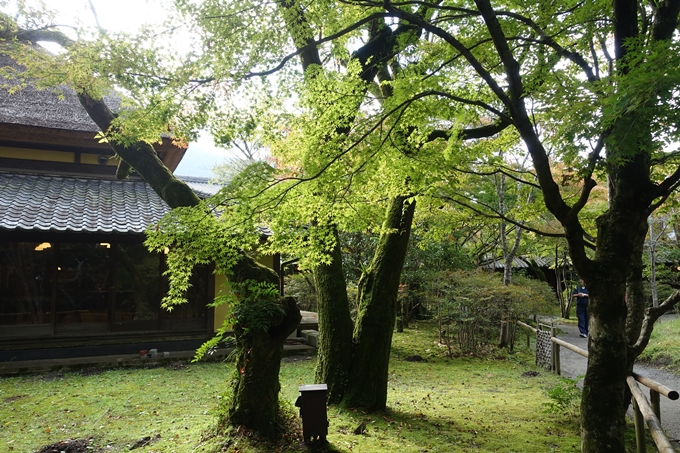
(564, 399)
(469, 305)
(301, 287)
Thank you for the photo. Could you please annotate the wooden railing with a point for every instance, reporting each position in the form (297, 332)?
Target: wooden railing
(644, 412)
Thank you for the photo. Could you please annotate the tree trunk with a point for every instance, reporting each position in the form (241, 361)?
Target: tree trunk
(382, 45)
(405, 312)
(377, 297)
(506, 337)
(335, 325)
(614, 317)
(255, 403)
(603, 402)
(635, 294)
(653, 240)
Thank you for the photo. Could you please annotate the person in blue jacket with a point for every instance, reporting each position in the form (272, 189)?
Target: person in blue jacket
(581, 295)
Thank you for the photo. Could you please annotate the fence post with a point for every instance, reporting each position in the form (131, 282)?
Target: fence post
(555, 353)
(656, 403)
(639, 428)
(528, 338)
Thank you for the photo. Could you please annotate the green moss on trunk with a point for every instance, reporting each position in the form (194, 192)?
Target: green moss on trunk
(335, 326)
(378, 289)
(621, 233)
(255, 404)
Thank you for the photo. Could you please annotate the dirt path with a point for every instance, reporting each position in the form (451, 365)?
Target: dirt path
(574, 366)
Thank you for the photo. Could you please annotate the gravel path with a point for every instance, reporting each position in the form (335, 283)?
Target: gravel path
(574, 366)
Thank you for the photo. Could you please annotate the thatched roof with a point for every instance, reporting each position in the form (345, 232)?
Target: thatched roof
(54, 117)
(56, 108)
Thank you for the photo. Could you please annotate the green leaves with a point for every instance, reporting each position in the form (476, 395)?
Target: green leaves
(192, 236)
(257, 306)
(644, 104)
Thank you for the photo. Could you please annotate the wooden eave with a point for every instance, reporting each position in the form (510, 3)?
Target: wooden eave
(24, 136)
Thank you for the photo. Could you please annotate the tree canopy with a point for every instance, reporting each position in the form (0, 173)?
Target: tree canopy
(365, 102)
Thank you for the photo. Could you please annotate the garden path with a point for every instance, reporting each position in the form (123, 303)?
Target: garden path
(574, 367)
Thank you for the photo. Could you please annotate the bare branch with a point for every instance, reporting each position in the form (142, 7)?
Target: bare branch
(473, 133)
(666, 187)
(45, 34)
(665, 158)
(504, 171)
(94, 13)
(548, 40)
(314, 44)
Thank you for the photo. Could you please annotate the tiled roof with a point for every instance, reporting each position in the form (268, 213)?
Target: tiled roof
(202, 186)
(77, 204)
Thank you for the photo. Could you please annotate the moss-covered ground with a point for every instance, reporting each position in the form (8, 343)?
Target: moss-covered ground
(492, 403)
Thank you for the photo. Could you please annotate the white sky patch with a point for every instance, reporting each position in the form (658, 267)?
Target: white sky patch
(118, 15)
(201, 156)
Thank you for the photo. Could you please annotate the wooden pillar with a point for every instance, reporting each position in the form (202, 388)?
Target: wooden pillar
(528, 338)
(555, 353)
(639, 428)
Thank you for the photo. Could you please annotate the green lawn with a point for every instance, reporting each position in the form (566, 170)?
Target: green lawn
(466, 404)
(664, 345)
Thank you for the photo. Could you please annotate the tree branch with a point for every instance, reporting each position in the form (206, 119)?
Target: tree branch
(548, 40)
(497, 215)
(447, 37)
(665, 19)
(503, 117)
(665, 187)
(500, 171)
(308, 52)
(651, 315)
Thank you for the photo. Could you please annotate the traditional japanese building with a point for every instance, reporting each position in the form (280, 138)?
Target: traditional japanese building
(75, 277)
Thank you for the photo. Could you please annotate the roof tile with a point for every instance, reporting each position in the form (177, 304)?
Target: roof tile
(59, 203)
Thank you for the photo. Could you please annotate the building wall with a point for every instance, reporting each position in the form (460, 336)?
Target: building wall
(222, 287)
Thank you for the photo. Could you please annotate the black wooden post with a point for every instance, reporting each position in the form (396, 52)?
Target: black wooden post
(312, 404)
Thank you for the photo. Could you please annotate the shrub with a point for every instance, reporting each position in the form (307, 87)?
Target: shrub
(469, 305)
(301, 287)
(564, 399)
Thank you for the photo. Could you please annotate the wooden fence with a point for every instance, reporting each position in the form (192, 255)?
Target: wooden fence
(644, 411)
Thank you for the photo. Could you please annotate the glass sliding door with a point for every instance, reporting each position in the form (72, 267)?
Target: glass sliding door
(137, 288)
(193, 314)
(92, 288)
(82, 294)
(26, 277)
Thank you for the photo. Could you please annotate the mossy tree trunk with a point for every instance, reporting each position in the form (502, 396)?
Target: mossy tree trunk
(143, 158)
(605, 396)
(633, 196)
(337, 348)
(255, 404)
(335, 325)
(377, 298)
